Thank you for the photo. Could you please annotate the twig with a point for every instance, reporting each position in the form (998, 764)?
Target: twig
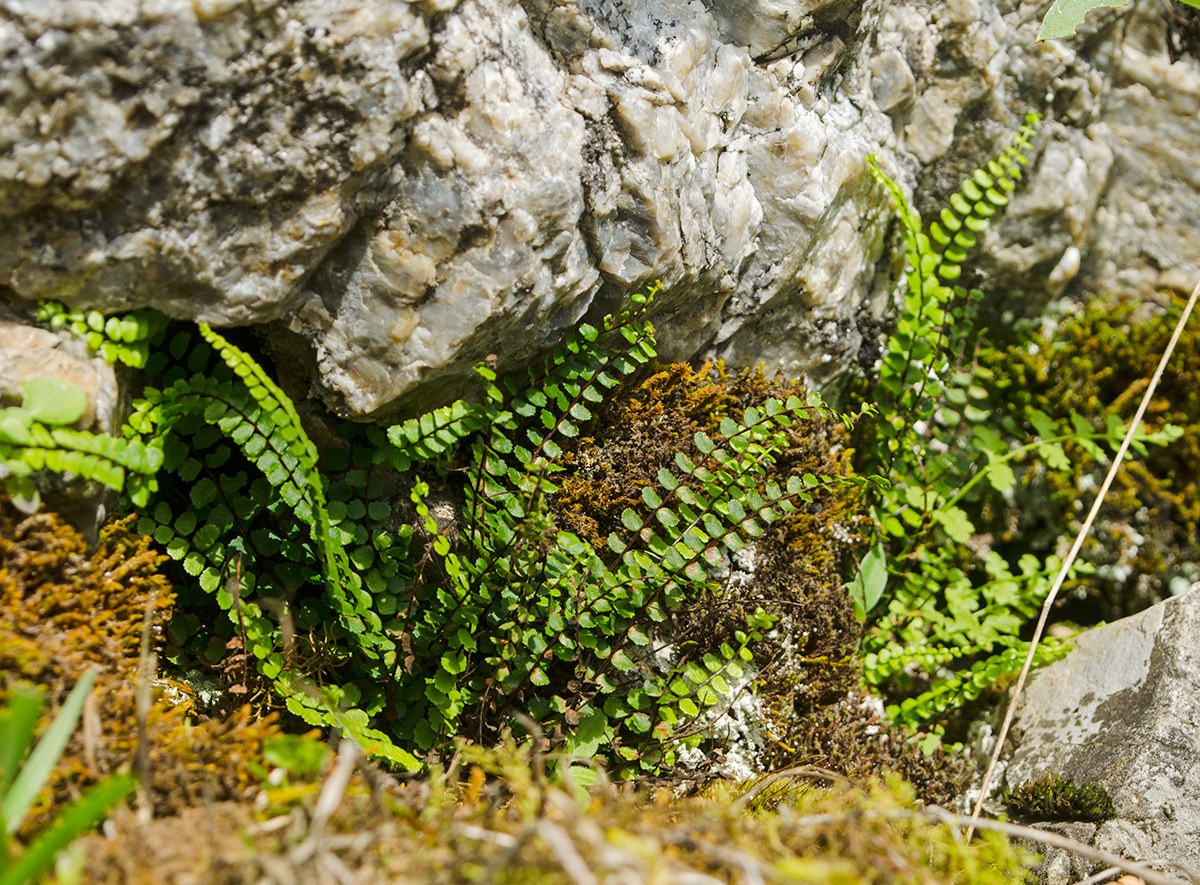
(1102, 876)
(1069, 561)
(566, 853)
(769, 781)
(147, 665)
(1054, 840)
(1032, 834)
(335, 785)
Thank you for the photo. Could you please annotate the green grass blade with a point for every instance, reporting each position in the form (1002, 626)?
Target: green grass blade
(80, 817)
(44, 757)
(16, 732)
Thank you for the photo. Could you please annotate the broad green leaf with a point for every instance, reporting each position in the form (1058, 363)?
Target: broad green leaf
(871, 580)
(1066, 15)
(54, 400)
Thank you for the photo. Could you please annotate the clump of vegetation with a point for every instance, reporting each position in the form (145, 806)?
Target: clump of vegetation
(792, 571)
(503, 817)
(24, 770)
(65, 610)
(946, 603)
(1055, 797)
(438, 558)
(805, 707)
(1145, 534)
(850, 738)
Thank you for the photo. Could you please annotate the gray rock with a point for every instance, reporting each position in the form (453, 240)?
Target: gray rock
(411, 186)
(1123, 710)
(1124, 839)
(1059, 866)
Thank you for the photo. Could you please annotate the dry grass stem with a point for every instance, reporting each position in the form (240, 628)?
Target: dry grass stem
(1070, 558)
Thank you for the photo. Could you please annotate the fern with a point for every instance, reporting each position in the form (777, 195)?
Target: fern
(37, 436)
(471, 609)
(954, 608)
(481, 627)
(228, 518)
(125, 339)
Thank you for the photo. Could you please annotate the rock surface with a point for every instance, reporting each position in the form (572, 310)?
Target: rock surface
(1123, 710)
(411, 186)
(27, 353)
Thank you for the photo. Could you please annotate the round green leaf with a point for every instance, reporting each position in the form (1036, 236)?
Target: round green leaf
(54, 400)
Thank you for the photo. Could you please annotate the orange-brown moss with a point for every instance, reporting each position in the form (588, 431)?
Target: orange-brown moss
(65, 609)
(808, 663)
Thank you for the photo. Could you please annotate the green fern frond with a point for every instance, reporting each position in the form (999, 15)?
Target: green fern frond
(959, 687)
(521, 600)
(121, 338)
(36, 436)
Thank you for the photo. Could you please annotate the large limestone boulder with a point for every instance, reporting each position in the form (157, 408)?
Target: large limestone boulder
(410, 186)
(1122, 709)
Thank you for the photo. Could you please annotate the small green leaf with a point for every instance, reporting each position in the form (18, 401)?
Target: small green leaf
(957, 524)
(999, 475)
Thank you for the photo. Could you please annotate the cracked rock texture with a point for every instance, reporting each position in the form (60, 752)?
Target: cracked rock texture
(1121, 710)
(399, 189)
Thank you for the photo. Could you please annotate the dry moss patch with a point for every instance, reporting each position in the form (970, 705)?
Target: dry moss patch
(65, 609)
(494, 819)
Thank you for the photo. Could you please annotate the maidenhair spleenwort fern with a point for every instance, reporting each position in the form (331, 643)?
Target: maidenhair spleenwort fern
(953, 606)
(121, 338)
(193, 419)
(412, 585)
(37, 436)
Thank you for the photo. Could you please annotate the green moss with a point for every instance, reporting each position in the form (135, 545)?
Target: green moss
(1096, 362)
(1055, 797)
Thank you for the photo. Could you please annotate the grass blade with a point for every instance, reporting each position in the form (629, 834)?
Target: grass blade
(81, 816)
(16, 732)
(41, 762)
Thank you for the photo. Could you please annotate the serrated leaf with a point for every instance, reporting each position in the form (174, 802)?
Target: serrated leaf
(1000, 476)
(955, 521)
